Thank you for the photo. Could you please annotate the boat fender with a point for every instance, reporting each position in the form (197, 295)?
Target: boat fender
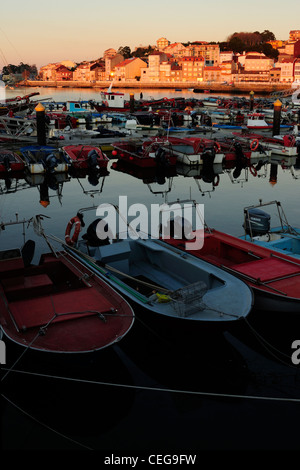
(77, 223)
(253, 170)
(217, 146)
(216, 180)
(254, 144)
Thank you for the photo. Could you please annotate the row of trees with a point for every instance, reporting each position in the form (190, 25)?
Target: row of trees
(23, 69)
(246, 41)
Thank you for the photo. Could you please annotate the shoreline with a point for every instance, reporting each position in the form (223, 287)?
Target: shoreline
(262, 88)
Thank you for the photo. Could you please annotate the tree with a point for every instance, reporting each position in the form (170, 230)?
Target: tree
(267, 35)
(235, 44)
(125, 52)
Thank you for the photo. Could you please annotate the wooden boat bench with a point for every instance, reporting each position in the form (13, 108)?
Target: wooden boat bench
(27, 286)
(116, 255)
(264, 269)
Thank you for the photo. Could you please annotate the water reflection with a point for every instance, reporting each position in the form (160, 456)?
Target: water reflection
(253, 360)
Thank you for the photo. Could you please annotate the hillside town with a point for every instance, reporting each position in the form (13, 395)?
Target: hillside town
(197, 62)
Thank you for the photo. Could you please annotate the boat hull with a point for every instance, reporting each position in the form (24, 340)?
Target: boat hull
(50, 308)
(274, 277)
(155, 268)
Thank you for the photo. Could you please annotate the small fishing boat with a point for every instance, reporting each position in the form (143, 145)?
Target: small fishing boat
(85, 156)
(256, 121)
(189, 150)
(58, 305)
(280, 145)
(10, 161)
(44, 158)
(273, 276)
(177, 290)
(144, 154)
(257, 225)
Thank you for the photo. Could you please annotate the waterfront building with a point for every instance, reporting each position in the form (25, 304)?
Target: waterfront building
(111, 61)
(275, 74)
(48, 72)
(286, 66)
(258, 62)
(152, 72)
(226, 56)
(210, 52)
(82, 73)
(227, 69)
(63, 73)
(175, 49)
(97, 71)
(297, 71)
(212, 73)
(176, 73)
(192, 68)
(129, 69)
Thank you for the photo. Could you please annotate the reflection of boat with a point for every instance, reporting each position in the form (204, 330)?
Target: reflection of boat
(44, 158)
(143, 154)
(148, 175)
(283, 238)
(85, 156)
(189, 150)
(256, 121)
(10, 161)
(177, 291)
(281, 145)
(274, 277)
(58, 306)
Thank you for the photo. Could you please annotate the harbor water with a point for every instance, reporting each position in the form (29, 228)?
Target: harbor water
(153, 395)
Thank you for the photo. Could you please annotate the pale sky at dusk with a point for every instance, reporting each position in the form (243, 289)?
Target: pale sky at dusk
(39, 32)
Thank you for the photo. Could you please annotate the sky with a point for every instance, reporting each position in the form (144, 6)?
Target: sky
(39, 32)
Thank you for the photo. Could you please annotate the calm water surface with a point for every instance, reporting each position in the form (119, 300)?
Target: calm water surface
(164, 403)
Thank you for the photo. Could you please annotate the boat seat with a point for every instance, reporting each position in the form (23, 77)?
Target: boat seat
(265, 268)
(115, 255)
(10, 261)
(27, 286)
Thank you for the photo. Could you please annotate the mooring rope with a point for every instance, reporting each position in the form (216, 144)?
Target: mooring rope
(162, 389)
(43, 424)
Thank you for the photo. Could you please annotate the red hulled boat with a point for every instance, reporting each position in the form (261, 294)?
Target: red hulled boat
(144, 155)
(10, 161)
(274, 277)
(59, 306)
(86, 156)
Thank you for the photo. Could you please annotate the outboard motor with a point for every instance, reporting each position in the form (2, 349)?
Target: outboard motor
(93, 160)
(91, 236)
(160, 156)
(50, 162)
(6, 162)
(239, 151)
(208, 173)
(257, 222)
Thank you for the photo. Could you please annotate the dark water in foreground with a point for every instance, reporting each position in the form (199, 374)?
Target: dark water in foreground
(236, 390)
